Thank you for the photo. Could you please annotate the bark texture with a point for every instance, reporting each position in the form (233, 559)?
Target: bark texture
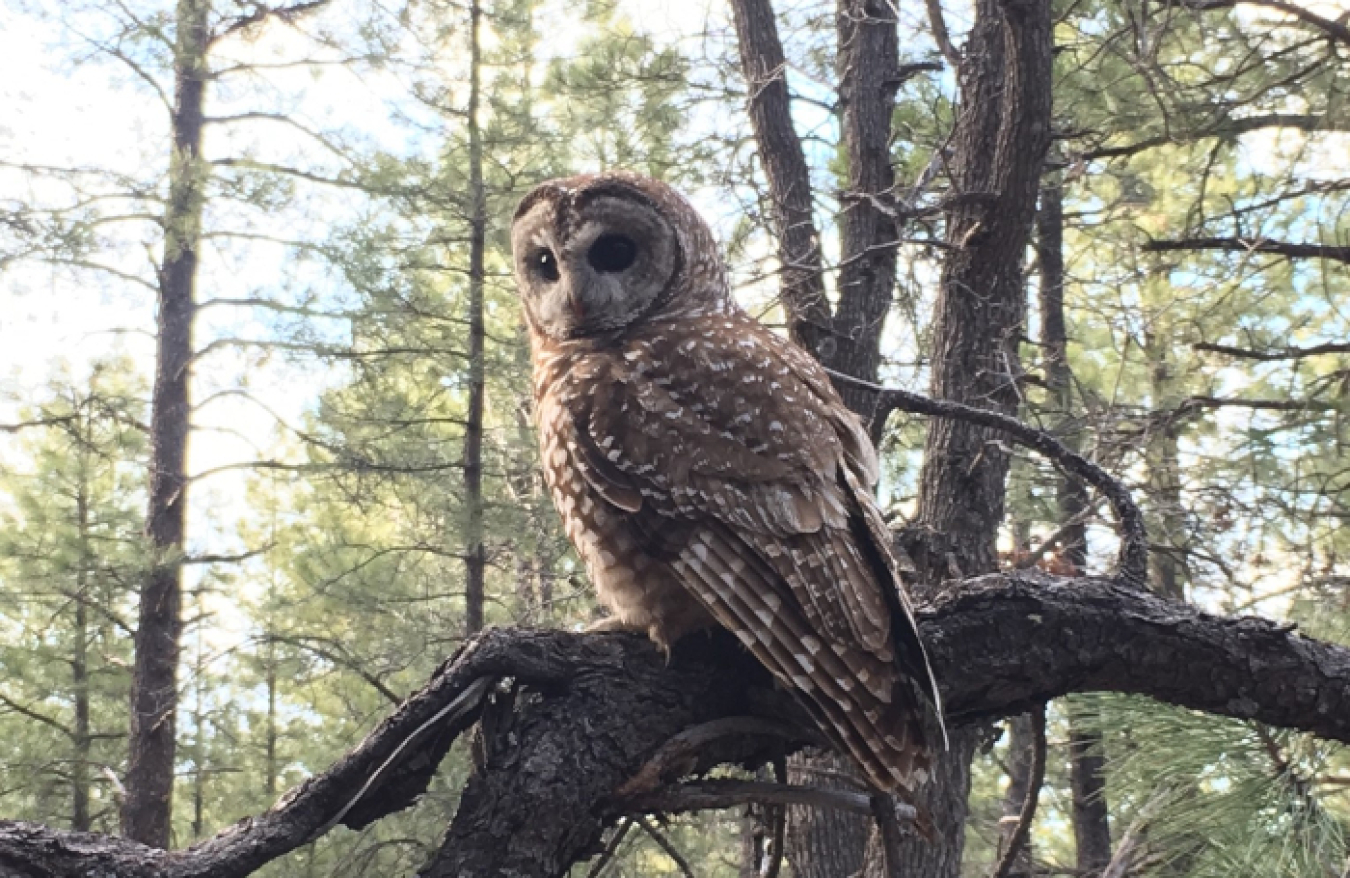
(589, 711)
(1004, 113)
(764, 67)
(147, 807)
(475, 552)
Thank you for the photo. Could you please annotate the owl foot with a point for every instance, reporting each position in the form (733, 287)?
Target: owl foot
(613, 624)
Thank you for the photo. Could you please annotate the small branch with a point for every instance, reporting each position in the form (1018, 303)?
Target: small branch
(724, 793)
(1273, 354)
(611, 847)
(36, 716)
(671, 851)
(235, 558)
(1226, 127)
(36, 422)
(1276, 405)
(1287, 249)
(1132, 560)
(260, 14)
(938, 22)
(1335, 29)
(678, 755)
(884, 812)
(1019, 837)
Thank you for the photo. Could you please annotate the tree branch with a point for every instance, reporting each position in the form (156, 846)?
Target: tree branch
(1287, 249)
(1335, 29)
(600, 706)
(1284, 353)
(1019, 837)
(1132, 559)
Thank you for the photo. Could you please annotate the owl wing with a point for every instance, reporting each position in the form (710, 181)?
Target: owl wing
(762, 477)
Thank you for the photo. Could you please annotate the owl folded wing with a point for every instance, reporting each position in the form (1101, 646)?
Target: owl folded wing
(762, 519)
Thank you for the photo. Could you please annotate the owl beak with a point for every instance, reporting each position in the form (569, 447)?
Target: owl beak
(575, 302)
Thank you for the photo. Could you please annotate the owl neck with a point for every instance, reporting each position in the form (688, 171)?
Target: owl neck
(553, 358)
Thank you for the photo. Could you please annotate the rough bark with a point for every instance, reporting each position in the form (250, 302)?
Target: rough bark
(1001, 137)
(821, 843)
(593, 709)
(867, 59)
(147, 808)
(475, 552)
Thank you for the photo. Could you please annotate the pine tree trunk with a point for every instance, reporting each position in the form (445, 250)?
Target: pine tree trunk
(79, 665)
(147, 810)
(270, 768)
(1168, 524)
(1001, 137)
(1091, 829)
(475, 553)
(764, 67)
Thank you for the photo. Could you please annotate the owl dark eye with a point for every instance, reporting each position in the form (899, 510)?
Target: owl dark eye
(612, 253)
(545, 265)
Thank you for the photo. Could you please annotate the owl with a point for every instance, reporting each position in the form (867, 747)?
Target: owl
(706, 470)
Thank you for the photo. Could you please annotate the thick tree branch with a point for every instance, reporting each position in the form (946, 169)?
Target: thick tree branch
(592, 710)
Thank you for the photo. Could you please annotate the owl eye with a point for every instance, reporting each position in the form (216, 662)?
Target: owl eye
(612, 253)
(545, 265)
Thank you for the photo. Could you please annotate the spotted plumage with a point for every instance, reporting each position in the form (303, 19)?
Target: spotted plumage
(705, 468)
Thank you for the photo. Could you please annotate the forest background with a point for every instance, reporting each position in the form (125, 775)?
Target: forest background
(362, 485)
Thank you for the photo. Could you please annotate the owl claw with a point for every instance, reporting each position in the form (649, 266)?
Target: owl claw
(611, 624)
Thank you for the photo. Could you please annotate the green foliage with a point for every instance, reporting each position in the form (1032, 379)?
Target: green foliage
(70, 557)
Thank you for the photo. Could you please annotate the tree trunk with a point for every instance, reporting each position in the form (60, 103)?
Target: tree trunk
(79, 665)
(1002, 133)
(1168, 525)
(802, 282)
(475, 553)
(1091, 829)
(823, 843)
(1021, 746)
(867, 60)
(147, 809)
(270, 767)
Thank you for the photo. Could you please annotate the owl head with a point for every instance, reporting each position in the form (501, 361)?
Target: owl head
(598, 253)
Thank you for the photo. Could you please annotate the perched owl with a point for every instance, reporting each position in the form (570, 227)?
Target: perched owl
(705, 468)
